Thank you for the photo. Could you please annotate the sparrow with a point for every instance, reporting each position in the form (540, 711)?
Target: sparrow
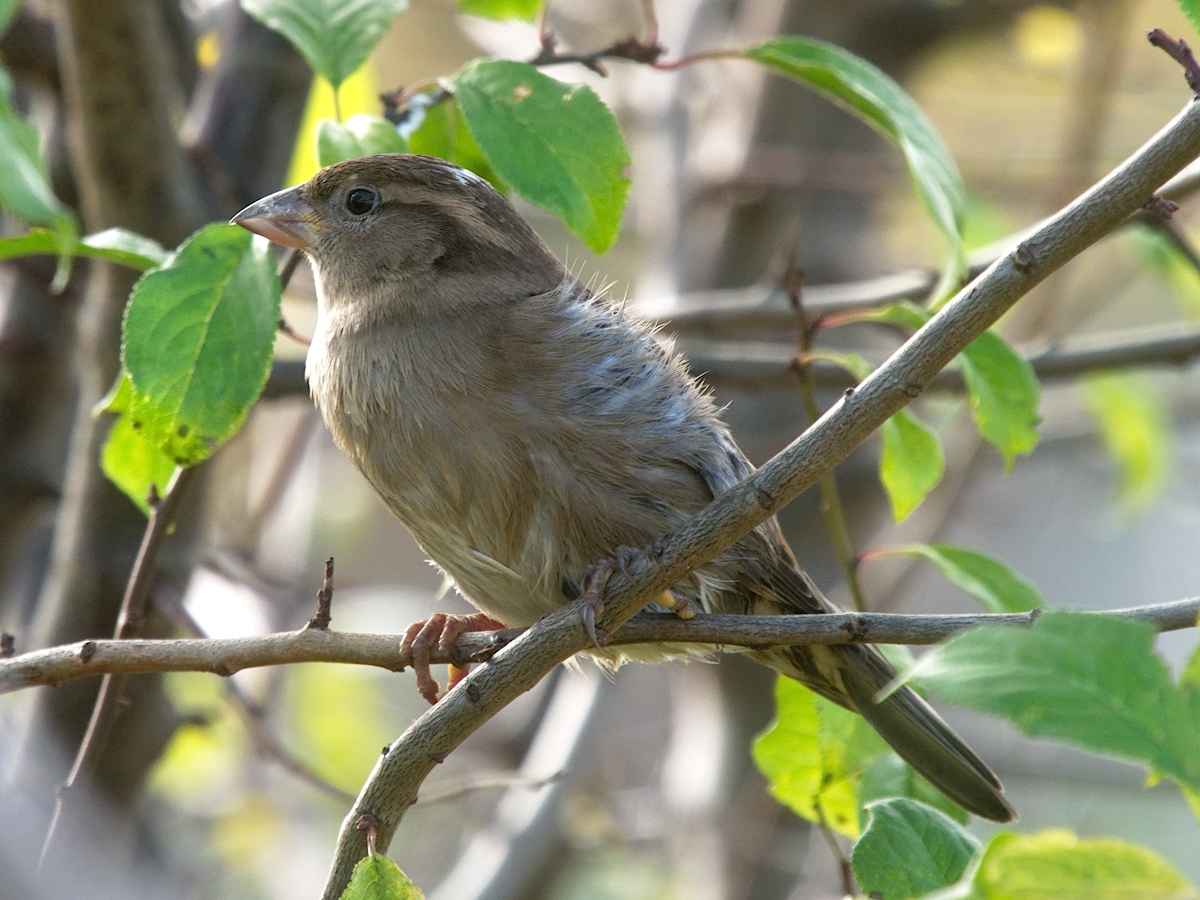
(524, 427)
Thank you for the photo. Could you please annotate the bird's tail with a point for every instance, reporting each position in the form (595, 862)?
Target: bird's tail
(853, 675)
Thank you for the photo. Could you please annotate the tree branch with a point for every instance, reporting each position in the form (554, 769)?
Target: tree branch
(225, 656)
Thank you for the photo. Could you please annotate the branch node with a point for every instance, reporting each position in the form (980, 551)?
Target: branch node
(386, 748)
(438, 758)
(764, 498)
(473, 692)
(855, 627)
(86, 651)
(368, 823)
(324, 614)
(222, 669)
(1161, 206)
(1023, 259)
(8, 645)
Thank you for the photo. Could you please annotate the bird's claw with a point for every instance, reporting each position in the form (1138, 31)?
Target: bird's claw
(439, 630)
(595, 580)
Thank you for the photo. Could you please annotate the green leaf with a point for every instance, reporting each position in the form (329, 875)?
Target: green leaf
(128, 460)
(1191, 9)
(909, 849)
(378, 878)
(525, 10)
(197, 341)
(911, 463)
(361, 136)
(335, 36)
(1136, 429)
(8, 9)
(113, 244)
(814, 754)
(889, 776)
(24, 183)
(1003, 392)
(865, 91)
(1002, 389)
(997, 588)
(557, 144)
(1089, 679)
(1057, 865)
(442, 132)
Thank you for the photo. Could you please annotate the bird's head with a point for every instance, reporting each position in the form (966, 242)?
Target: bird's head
(411, 229)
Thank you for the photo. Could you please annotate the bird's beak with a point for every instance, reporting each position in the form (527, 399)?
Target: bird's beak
(285, 217)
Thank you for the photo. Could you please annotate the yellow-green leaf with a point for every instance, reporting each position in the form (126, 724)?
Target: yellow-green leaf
(1136, 429)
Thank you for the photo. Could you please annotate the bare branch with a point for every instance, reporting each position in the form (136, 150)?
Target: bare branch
(129, 620)
(225, 656)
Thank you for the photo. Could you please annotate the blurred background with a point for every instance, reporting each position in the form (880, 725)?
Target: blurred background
(639, 785)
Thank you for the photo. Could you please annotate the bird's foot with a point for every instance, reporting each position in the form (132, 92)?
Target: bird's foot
(595, 580)
(440, 630)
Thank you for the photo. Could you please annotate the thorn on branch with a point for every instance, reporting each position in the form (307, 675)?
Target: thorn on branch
(324, 614)
(1181, 53)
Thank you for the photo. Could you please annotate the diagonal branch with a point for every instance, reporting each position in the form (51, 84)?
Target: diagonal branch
(392, 786)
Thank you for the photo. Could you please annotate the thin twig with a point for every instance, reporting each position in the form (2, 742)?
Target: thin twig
(225, 656)
(845, 873)
(629, 48)
(129, 621)
(1181, 53)
(832, 511)
(324, 614)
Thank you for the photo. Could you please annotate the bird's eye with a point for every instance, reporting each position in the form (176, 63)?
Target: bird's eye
(361, 201)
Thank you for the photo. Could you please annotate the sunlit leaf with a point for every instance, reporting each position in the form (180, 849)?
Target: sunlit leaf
(1136, 429)
(874, 97)
(814, 754)
(556, 144)
(911, 463)
(128, 460)
(524, 10)
(997, 587)
(909, 849)
(113, 244)
(1091, 680)
(335, 36)
(1057, 865)
(360, 136)
(1004, 395)
(378, 878)
(197, 341)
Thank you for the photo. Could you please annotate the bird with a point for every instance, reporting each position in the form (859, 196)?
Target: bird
(524, 428)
